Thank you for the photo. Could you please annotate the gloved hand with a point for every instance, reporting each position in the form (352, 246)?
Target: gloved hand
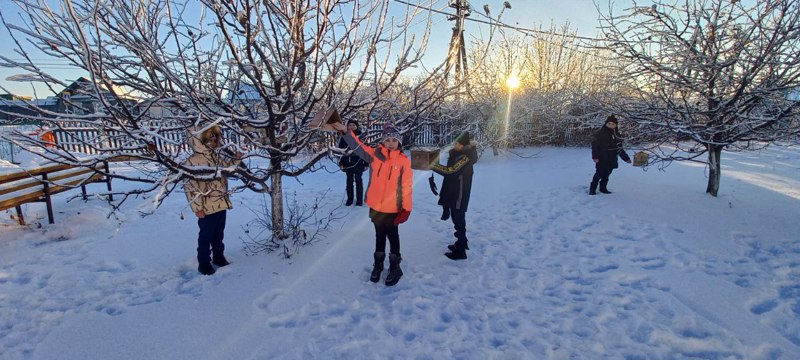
(432, 183)
(445, 212)
(402, 217)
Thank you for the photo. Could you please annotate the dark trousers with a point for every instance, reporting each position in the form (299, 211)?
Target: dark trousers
(601, 175)
(460, 224)
(212, 231)
(355, 177)
(385, 228)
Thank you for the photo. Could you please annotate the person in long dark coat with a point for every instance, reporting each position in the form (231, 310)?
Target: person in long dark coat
(353, 166)
(456, 189)
(607, 145)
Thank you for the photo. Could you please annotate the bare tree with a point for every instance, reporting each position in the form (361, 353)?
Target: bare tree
(558, 76)
(259, 69)
(705, 76)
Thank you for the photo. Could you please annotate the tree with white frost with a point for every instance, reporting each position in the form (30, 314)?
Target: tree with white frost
(557, 79)
(699, 77)
(259, 69)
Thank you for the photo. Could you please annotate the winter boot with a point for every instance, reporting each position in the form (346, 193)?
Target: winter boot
(359, 197)
(349, 202)
(593, 188)
(220, 260)
(205, 268)
(457, 253)
(604, 187)
(377, 267)
(452, 247)
(394, 270)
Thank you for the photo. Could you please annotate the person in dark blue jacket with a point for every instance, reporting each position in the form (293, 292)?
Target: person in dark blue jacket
(607, 145)
(353, 166)
(456, 189)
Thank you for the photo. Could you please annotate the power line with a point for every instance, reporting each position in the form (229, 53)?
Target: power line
(500, 23)
(525, 31)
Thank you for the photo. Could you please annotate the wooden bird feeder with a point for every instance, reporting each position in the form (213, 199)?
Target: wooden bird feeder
(323, 120)
(423, 157)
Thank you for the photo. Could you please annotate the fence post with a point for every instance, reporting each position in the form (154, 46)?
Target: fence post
(108, 181)
(47, 200)
(11, 145)
(20, 219)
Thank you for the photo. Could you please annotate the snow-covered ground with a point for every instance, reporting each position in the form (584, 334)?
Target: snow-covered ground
(656, 270)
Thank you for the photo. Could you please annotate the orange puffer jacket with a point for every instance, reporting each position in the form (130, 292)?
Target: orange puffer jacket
(391, 177)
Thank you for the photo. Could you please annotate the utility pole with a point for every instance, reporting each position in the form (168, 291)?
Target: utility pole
(457, 56)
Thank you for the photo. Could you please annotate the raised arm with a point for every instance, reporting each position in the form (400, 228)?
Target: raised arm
(354, 143)
(447, 170)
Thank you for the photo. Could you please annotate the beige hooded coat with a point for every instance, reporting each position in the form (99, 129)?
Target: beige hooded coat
(208, 196)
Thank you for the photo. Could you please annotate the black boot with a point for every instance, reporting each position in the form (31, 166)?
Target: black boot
(220, 260)
(205, 268)
(377, 267)
(452, 247)
(604, 186)
(593, 188)
(349, 202)
(394, 270)
(457, 253)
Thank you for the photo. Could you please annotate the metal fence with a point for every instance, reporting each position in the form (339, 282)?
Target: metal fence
(89, 140)
(8, 150)
(78, 137)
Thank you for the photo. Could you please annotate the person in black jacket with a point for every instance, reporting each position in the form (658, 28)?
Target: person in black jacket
(456, 189)
(607, 145)
(353, 166)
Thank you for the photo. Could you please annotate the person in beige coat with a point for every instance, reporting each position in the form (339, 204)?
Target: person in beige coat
(208, 195)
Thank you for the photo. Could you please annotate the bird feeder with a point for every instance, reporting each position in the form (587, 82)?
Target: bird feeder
(324, 120)
(423, 157)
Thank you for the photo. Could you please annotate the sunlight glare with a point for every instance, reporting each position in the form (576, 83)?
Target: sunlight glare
(512, 82)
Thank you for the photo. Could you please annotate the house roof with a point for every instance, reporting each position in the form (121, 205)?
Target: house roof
(243, 92)
(49, 101)
(83, 86)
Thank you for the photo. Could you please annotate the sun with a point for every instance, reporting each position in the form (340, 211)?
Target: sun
(512, 82)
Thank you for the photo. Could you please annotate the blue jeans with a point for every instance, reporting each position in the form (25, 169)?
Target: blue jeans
(212, 231)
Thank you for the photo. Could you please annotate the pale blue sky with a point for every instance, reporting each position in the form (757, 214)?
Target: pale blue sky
(581, 14)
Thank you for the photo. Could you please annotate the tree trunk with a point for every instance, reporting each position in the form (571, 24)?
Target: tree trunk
(714, 169)
(276, 193)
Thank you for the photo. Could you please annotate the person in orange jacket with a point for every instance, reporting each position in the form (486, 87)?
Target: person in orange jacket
(47, 136)
(388, 195)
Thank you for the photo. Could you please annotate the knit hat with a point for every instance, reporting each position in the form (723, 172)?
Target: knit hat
(351, 121)
(390, 132)
(463, 138)
(611, 118)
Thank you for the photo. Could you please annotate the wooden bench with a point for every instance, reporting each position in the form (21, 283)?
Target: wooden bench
(40, 184)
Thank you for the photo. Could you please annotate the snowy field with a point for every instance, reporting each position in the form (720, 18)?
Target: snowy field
(656, 270)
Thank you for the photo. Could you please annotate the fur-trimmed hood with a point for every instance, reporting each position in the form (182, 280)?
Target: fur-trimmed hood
(199, 137)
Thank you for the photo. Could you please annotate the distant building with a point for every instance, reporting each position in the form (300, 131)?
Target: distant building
(78, 98)
(15, 97)
(20, 110)
(81, 98)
